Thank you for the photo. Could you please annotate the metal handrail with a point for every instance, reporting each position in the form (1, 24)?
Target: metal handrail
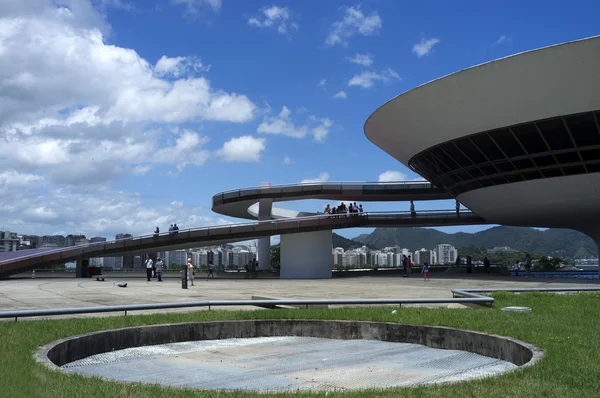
(326, 183)
(420, 214)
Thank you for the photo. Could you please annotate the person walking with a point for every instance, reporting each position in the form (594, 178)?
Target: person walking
(527, 265)
(210, 270)
(486, 265)
(148, 265)
(405, 265)
(425, 271)
(190, 272)
(413, 213)
(457, 207)
(409, 264)
(159, 268)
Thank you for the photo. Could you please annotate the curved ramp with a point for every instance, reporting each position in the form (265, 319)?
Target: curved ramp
(220, 234)
(238, 203)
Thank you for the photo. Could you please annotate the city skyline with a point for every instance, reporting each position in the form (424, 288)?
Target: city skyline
(104, 143)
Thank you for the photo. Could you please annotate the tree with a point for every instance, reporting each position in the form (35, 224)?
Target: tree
(276, 257)
(548, 263)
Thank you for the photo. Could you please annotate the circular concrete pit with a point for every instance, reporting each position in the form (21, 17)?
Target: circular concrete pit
(281, 355)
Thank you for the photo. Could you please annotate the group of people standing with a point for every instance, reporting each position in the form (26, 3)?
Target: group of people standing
(252, 269)
(154, 269)
(173, 229)
(343, 209)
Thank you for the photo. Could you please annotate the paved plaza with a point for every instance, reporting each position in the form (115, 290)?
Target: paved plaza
(60, 292)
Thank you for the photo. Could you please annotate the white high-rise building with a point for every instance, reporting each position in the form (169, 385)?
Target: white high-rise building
(445, 254)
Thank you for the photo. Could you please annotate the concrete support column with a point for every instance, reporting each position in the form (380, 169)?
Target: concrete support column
(81, 268)
(306, 255)
(264, 244)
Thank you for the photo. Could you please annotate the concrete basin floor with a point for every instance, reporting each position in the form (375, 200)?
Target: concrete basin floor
(289, 363)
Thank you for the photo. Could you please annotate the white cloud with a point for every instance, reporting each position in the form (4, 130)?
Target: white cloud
(362, 59)
(178, 66)
(193, 7)
(321, 178)
(78, 108)
(354, 21)
(394, 176)
(242, 149)
(98, 211)
(367, 79)
(287, 160)
(425, 46)
(322, 83)
(77, 113)
(340, 95)
(321, 132)
(503, 39)
(276, 17)
(282, 124)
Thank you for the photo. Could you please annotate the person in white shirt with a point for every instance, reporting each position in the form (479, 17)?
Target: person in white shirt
(148, 264)
(190, 271)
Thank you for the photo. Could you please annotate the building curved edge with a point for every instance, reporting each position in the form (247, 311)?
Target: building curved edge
(516, 140)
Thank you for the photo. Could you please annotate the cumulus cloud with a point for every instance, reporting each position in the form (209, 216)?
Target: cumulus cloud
(242, 149)
(274, 17)
(178, 66)
(322, 83)
(77, 113)
(354, 22)
(321, 131)
(321, 178)
(362, 59)
(425, 46)
(340, 95)
(287, 160)
(367, 79)
(193, 7)
(395, 176)
(282, 124)
(97, 212)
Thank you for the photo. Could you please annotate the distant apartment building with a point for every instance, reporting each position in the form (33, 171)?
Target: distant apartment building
(9, 241)
(112, 262)
(421, 256)
(445, 254)
(177, 258)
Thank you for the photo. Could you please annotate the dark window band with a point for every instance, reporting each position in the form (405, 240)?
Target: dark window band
(556, 147)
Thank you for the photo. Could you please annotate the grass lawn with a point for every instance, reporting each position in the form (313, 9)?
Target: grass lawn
(565, 326)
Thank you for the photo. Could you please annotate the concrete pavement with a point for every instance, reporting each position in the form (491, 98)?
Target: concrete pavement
(61, 292)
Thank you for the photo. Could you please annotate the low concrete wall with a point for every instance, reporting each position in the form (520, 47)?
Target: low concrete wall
(73, 348)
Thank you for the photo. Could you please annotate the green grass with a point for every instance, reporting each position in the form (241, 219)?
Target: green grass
(565, 327)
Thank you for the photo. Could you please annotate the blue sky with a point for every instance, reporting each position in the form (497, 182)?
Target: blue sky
(296, 78)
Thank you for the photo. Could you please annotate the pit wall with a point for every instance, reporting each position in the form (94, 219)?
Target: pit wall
(67, 350)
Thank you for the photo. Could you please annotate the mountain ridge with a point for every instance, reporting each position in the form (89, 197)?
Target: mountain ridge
(551, 242)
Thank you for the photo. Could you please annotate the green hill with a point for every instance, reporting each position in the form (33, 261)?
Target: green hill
(551, 242)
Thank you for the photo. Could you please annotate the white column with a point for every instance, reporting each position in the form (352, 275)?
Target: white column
(264, 244)
(306, 255)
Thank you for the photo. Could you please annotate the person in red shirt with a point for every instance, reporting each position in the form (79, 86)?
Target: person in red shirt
(409, 265)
